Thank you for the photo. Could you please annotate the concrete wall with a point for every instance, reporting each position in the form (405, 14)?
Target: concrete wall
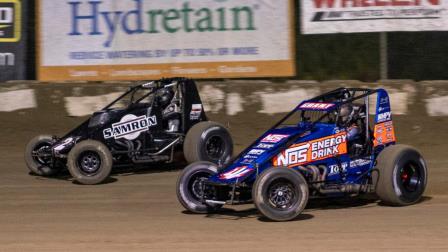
(247, 107)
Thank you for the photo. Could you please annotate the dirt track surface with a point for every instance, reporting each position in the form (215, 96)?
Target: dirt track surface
(138, 210)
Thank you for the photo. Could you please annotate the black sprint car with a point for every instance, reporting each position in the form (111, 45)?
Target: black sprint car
(147, 124)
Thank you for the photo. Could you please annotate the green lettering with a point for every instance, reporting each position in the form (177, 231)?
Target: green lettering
(153, 20)
(170, 15)
(240, 18)
(186, 16)
(222, 19)
(236, 18)
(205, 23)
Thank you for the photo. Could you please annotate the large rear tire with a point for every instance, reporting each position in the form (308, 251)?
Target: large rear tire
(208, 141)
(38, 156)
(401, 175)
(90, 162)
(280, 194)
(189, 187)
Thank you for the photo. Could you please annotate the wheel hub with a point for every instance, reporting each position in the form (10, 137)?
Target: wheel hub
(215, 147)
(282, 195)
(42, 154)
(197, 187)
(410, 177)
(90, 162)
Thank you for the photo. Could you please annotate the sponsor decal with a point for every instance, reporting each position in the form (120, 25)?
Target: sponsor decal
(236, 173)
(353, 164)
(247, 160)
(384, 133)
(265, 146)
(250, 157)
(273, 138)
(130, 127)
(196, 110)
(384, 100)
(255, 152)
(336, 16)
(316, 105)
(386, 116)
(303, 153)
(10, 20)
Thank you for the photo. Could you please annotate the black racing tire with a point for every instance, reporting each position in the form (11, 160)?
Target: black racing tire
(90, 162)
(189, 187)
(401, 175)
(42, 166)
(280, 194)
(208, 141)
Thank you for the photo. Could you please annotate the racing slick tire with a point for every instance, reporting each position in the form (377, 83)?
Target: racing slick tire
(190, 184)
(280, 194)
(90, 162)
(39, 165)
(401, 175)
(208, 141)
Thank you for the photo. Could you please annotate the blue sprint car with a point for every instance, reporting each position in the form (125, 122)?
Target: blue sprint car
(328, 146)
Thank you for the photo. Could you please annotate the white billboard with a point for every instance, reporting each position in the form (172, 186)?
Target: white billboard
(147, 39)
(348, 16)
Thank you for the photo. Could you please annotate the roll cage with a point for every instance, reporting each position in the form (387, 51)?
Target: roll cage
(338, 97)
(151, 88)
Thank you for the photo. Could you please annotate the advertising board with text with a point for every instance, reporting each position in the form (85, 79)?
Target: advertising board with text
(149, 39)
(348, 16)
(13, 40)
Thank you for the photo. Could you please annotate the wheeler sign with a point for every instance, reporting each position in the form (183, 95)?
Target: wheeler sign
(148, 39)
(346, 16)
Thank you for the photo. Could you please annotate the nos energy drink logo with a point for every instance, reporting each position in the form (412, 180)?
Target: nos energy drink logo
(10, 26)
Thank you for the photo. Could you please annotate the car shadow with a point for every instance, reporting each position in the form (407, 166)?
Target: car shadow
(422, 200)
(323, 204)
(118, 171)
(250, 213)
(147, 169)
(363, 201)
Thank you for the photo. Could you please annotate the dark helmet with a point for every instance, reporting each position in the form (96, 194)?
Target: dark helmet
(164, 96)
(346, 113)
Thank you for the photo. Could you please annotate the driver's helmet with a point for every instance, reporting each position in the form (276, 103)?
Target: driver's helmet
(346, 112)
(164, 96)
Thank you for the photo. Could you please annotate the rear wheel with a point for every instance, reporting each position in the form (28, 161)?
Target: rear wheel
(280, 194)
(402, 175)
(208, 141)
(38, 156)
(90, 162)
(191, 190)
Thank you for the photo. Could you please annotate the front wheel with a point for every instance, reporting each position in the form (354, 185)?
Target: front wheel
(208, 141)
(190, 188)
(90, 162)
(402, 175)
(39, 157)
(280, 194)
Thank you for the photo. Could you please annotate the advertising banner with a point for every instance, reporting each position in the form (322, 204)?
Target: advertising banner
(149, 39)
(347, 16)
(12, 40)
